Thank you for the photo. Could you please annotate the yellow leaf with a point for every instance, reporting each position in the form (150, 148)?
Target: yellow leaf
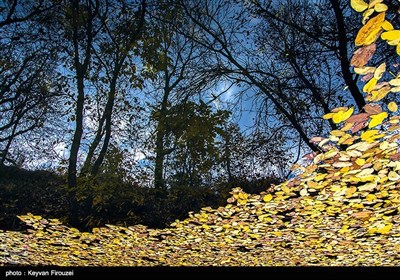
(254, 235)
(383, 146)
(285, 189)
(354, 153)
(360, 146)
(242, 201)
(380, 8)
(342, 115)
(392, 106)
(337, 117)
(368, 187)
(358, 5)
(226, 226)
(366, 135)
(344, 229)
(330, 154)
(328, 116)
(350, 191)
(320, 177)
(265, 218)
(372, 3)
(380, 71)
(360, 161)
(379, 94)
(370, 85)
(340, 164)
(303, 192)
(393, 42)
(366, 171)
(321, 144)
(387, 26)
(377, 119)
(391, 35)
(337, 133)
(358, 205)
(74, 230)
(393, 176)
(333, 138)
(368, 178)
(345, 138)
(336, 188)
(370, 31)
(268, 197)
(385, 229)
(364, 70)
(366, 15)
(396, 89)
(116, 241)
(395, 82)
(246, 229)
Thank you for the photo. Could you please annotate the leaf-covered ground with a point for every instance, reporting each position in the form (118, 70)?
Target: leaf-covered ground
(342, 209)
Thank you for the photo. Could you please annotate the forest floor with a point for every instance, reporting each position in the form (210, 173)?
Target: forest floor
(343, 209)
(293, 225)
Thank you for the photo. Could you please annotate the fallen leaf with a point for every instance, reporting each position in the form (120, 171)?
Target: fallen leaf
(377, 119)
(392, 106)
(370, 31)
(372, 109)
(362, 55)
(358, 5)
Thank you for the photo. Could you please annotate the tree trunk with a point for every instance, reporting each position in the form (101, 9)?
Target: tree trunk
(160, 153)
(80, 69)
(8, 145)
(344, 61)
(93, 146)
(159, 163)
(73, 158)
(227, 151)
(108, 117)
